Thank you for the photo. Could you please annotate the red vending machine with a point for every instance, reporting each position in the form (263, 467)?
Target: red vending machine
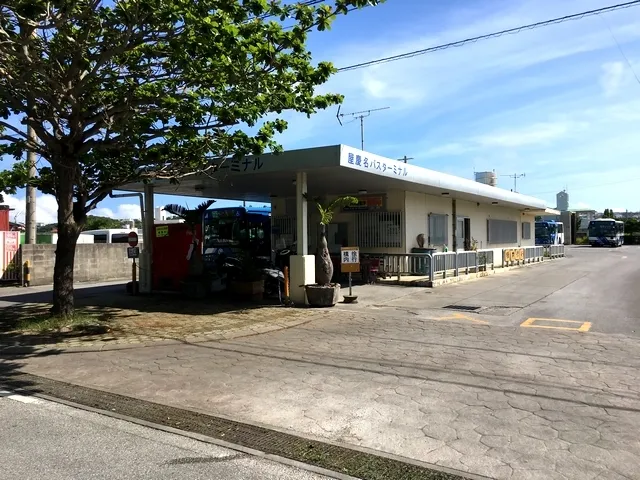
(171, 245)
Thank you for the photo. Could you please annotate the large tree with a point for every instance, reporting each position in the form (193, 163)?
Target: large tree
(119, 91)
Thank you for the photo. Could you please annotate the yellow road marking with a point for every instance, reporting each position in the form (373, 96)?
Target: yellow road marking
(584, 326)
(461, 316)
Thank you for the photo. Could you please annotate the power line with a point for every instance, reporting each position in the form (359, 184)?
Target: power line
(510, 31)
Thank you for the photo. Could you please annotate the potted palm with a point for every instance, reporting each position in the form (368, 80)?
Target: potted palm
(324, 293)
(196, 283)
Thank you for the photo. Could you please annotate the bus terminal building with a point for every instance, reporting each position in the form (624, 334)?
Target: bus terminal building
(398, 203)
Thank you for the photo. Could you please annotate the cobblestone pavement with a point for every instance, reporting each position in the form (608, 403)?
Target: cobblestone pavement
(132, 336)
(508, 403)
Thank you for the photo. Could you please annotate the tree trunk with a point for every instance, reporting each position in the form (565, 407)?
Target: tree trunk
(324, 265)
(68, 231)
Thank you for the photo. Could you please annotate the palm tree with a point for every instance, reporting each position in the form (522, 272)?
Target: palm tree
(193, 218)
(324, 265)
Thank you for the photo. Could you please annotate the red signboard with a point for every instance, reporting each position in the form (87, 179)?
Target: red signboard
(371, 202)
(9, 259)
(133, 239)
(4, 218)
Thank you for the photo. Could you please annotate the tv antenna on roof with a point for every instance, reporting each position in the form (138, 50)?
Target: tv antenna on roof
(515, 177)
(361, 115)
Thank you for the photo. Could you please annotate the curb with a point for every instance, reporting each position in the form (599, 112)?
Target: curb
(198, 437)
(288, 447)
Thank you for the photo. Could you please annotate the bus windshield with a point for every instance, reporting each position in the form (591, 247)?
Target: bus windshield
(236, 228)
(544, 229)
(602, 229)
(222, 228)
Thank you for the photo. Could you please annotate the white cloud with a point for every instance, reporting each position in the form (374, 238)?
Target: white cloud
(436, 79)
(46, 208)
(535, 134)
(124, 211)
(612, 77)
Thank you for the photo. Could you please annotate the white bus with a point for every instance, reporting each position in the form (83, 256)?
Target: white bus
(111, 235)
(606, 232)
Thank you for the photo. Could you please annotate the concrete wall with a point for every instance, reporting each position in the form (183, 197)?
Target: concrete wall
(418, 206)
(94, 262)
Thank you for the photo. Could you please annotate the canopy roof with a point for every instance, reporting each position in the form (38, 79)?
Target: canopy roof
(332, 170)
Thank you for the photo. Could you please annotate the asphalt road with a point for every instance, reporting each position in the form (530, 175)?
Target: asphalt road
(595, 289)
(42, 439)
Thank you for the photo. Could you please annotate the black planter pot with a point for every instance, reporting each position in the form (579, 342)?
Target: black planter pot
(321, 296)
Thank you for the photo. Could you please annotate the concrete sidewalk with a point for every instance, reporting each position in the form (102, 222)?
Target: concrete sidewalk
(497, 401)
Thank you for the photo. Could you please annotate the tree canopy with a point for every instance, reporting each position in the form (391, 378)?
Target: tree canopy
(121, 91)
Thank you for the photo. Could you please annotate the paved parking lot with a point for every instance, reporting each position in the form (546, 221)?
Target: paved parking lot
(592, 289)
(397, 373)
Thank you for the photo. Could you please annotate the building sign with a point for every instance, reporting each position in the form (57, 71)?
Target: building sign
(349, 259)
(513, 255)
(162, 231)
(366, 204)
(242, 165)
(367, 162)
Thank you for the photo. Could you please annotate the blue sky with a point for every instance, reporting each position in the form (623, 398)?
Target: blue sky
(559, 103)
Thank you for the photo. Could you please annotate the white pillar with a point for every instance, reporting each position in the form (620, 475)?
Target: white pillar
(302, 264)
(302, 216)
(147, 241)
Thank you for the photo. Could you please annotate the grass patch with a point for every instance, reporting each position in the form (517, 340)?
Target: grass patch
(46, 323)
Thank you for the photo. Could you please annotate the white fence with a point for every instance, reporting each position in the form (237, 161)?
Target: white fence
(453, 264)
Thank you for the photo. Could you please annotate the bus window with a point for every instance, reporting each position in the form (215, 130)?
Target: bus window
(101, 238)
(120, 238)
(560, 227)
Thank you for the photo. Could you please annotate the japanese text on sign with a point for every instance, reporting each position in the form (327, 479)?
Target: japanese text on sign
(372, 163)
(241, 165)
(162, 231)
(350, 259)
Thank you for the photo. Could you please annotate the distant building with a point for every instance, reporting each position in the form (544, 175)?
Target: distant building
(562, 201)
(585, 217)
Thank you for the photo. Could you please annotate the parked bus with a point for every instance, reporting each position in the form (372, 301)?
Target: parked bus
(237, 228)
(549, 232)
(605, 232)
(111, 235)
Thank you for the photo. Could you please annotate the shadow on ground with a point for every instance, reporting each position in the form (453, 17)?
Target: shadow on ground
(108, 306)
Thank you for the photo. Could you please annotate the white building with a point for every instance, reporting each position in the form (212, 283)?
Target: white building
(398, 202)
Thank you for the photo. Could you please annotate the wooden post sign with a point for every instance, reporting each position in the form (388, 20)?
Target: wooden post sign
(349, 259)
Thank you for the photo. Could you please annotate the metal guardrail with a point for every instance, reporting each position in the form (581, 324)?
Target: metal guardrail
(436, 265)
(398, 264)
(447, 264)
(554, 251)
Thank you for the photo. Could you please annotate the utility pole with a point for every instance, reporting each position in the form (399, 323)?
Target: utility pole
(358, 115)
(405, 158)
(30, 213)
(515, 177)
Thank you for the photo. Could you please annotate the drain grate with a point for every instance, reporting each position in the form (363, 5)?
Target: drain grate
(332, 457)
(466, 308)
